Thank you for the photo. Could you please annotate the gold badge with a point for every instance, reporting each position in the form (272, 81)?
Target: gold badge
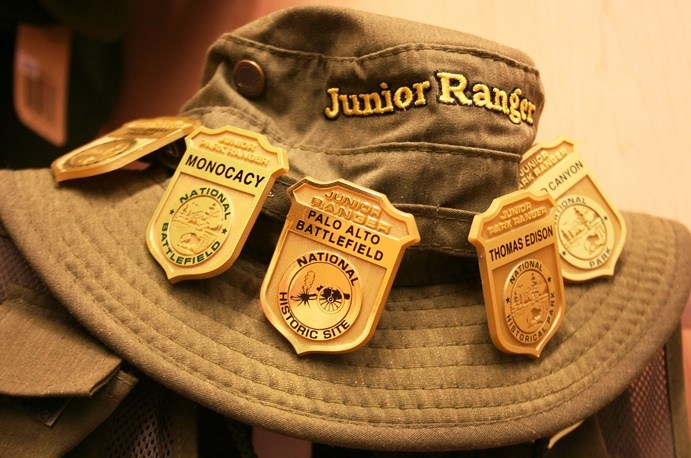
(334, 265)
(212, 201)
(123, 146)
(522, 284)
(591, 231)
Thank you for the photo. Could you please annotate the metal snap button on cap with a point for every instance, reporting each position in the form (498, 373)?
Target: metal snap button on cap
(249, 78)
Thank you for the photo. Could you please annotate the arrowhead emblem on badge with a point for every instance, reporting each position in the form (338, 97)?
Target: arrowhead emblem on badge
(334, 265)
(520, 269)
(212, 201)
(591, 231)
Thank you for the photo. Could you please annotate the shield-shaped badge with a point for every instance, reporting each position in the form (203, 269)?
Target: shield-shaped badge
(522, 283)
(212, 201)
(122, 146)
(591, 231)
(334, 265)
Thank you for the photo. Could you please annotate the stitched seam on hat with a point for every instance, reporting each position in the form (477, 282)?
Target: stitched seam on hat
(471, 152)
(254, 399)
(155, 330)
(226, 369)
(206, 377)
(382, 149)
(669, 292)
(452, 365)
(605, 363)
(389, 52)
(220, 383)
(408, 147)
(616, 344)
(450, 249)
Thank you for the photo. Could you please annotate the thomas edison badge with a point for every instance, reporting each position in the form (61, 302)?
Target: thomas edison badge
(522, 283)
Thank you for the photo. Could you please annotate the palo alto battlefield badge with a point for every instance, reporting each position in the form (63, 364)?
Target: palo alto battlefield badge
(334, 265)
(591, 231)
(522, 283)
(123, 146)
(212, 201)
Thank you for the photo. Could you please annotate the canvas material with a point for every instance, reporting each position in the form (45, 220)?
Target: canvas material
(468, 154)
(429, 379)
(148, 422)
(57, 384)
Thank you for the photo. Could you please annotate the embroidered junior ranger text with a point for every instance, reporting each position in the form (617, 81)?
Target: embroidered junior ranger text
(376, 103)
(453, 89)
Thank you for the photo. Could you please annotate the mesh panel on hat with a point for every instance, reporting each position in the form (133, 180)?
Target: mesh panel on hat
(638, 423)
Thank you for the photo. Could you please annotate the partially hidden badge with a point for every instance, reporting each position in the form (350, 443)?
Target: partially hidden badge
(590, 230)
(334, 265)
(522, 283)
(212, 201)
(122, 146)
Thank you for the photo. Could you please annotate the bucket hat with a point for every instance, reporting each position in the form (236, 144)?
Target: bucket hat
(442, 137)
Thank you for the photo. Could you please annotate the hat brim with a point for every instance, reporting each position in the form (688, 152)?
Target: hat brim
(430, 378)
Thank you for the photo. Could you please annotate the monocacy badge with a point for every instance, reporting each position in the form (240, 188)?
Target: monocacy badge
(212, 201)
(590, 230)
(334, 265)
(522, 283)
(123, 146)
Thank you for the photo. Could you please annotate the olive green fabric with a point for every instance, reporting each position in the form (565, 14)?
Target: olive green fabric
(430, 378)
(57, 384)
(45, 353)
(442, 162)
(24, 436)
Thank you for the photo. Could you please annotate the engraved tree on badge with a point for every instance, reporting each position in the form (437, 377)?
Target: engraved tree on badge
(530, 301)
(583, 232)
(198, 223)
